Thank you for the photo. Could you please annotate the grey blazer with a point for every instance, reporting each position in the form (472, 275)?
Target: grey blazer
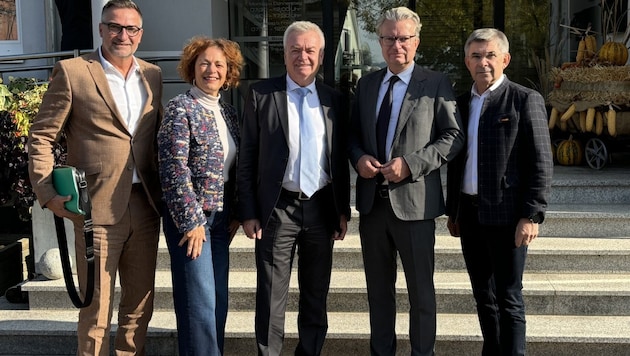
(427, 136)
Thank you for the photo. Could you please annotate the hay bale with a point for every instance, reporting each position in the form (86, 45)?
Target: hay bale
(588, 87)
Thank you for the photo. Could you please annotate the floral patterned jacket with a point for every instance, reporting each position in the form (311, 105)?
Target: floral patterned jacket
(191, 160)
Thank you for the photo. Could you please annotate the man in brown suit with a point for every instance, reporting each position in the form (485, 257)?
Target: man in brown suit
(108, 104)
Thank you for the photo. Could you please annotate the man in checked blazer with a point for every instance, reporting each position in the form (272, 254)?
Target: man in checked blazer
(108, 105)
(498, 188)
(275, 208)
(399, 195)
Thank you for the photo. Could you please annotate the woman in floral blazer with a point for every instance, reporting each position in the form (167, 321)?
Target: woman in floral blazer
(198, 144)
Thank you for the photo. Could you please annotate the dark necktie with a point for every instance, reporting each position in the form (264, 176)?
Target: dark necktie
(382, 123)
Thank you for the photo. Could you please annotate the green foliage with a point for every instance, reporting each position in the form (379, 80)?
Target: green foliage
(446, 25)
(370, 10)
(22, 98)
(19, 103)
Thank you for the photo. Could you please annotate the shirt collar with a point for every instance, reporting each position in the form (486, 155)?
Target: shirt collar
(404, 76)
(473, 90)
(108, 67)
(291, 85)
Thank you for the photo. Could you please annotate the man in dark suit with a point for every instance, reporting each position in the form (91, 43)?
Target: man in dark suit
(283, 210)
(498, 188)
(108, 104)
(399, 191)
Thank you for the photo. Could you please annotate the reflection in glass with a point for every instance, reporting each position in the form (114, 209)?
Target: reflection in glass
(8, 21)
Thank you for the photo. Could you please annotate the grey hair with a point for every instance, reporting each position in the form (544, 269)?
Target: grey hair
(487, 35)
(399, 14)
(301, 27)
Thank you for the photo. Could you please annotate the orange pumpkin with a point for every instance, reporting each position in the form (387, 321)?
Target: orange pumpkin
(569, 152)
(613, 53)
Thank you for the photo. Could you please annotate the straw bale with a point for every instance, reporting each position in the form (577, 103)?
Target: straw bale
(591, 87)
(593, 74)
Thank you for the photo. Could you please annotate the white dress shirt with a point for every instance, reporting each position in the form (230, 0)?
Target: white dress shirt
(399, 90)
(470, 185)
(130, 95)
(291, 179)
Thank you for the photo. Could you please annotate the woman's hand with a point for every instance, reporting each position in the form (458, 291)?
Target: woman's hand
(194, 240)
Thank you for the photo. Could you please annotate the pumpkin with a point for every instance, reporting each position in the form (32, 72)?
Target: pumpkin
(613, 53)
(569, 152)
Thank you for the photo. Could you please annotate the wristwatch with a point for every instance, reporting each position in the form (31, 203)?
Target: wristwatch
(536, 218)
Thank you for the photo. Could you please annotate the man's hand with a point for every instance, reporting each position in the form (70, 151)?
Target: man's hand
(453, 227)
(56, 205)
(252, 229)
(343, 226)
(368, 166)
(395, 170)
(526, 232)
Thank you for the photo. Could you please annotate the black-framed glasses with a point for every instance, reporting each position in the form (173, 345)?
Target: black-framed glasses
(390, 40)
(116, 29)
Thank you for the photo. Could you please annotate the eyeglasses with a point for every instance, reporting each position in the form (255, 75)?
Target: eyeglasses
(116, 29)
(390, 40)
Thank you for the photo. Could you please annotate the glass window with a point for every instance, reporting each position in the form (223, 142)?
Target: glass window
(258, 25)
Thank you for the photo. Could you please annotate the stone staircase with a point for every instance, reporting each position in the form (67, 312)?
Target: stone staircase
(576, 287)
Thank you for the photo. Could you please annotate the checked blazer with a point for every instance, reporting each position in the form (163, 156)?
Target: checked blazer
(515, 164)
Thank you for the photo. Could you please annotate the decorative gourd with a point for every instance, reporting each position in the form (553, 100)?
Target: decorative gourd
(569, 152)
(613, 53)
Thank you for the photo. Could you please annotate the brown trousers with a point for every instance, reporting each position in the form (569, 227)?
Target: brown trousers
(128, 248)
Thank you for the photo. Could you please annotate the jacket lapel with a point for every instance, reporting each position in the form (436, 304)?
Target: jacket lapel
(409, 103)
(371, 101)
(148, 106)
(98, 74)
(329, 114)
(280, 101)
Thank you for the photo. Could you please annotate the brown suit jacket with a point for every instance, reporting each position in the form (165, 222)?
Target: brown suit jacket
(80, 104)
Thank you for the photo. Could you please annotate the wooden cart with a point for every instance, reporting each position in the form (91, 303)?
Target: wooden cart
(605, 90)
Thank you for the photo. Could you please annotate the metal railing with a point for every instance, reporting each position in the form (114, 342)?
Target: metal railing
(14, 63)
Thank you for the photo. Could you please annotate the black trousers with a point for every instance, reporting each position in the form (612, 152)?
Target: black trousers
(383, 237)
(495, 267)
(306, 226)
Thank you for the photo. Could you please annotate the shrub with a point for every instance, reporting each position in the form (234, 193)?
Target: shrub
(19, 103)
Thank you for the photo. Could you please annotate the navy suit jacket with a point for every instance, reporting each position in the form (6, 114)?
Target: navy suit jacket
(515, 164)
(264, 150)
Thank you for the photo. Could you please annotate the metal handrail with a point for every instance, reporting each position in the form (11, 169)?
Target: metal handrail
(152, 57)
(11, 66)
(45, 55)
(159, 56)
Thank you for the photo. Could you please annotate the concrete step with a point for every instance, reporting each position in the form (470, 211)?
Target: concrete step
(28, 332)
(546, 254)
(570, 220)
(575, 185)
(583, 185)
(545, 293)
(561, 220)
